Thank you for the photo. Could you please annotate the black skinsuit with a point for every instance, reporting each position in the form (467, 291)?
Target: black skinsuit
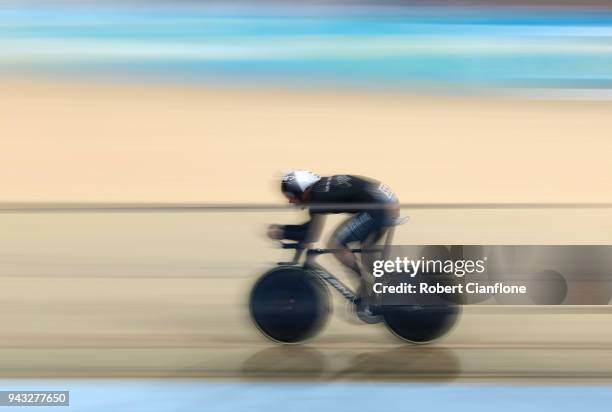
(373, 206)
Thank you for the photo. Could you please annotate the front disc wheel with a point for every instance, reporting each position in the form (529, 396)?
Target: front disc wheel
(289, 304)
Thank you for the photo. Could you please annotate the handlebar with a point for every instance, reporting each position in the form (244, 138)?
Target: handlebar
(286, 245)
(300, 247)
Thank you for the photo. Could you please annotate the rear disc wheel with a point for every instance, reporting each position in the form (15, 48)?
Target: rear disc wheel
(421, 324)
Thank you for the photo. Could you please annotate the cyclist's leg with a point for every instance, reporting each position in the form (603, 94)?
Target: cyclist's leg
(370, 253)
(366, 228)
(355, 229)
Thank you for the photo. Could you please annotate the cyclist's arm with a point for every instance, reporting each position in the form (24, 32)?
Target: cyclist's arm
(306, 232)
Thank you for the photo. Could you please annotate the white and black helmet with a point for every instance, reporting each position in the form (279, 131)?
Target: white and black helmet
(295, 182)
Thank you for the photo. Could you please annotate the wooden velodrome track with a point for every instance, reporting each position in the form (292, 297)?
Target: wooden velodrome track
(164, 295)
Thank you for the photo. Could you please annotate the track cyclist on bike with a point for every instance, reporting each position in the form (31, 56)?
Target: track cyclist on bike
(372, 205)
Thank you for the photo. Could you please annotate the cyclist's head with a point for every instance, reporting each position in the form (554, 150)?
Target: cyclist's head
(295, 184)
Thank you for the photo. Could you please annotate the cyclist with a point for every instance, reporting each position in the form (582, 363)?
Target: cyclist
(373, 206)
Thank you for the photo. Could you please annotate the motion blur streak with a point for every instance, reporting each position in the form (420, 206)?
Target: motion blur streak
(167, 102)
(382, 48)
(182, 102)
(164, 295)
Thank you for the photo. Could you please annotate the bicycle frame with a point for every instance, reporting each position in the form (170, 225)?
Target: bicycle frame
(328, 277)
(321, 272)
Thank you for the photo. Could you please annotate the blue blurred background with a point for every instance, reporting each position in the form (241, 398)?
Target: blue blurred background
(437, 48)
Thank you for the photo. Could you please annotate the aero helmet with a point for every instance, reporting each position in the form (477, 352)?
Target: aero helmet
(295, 182)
